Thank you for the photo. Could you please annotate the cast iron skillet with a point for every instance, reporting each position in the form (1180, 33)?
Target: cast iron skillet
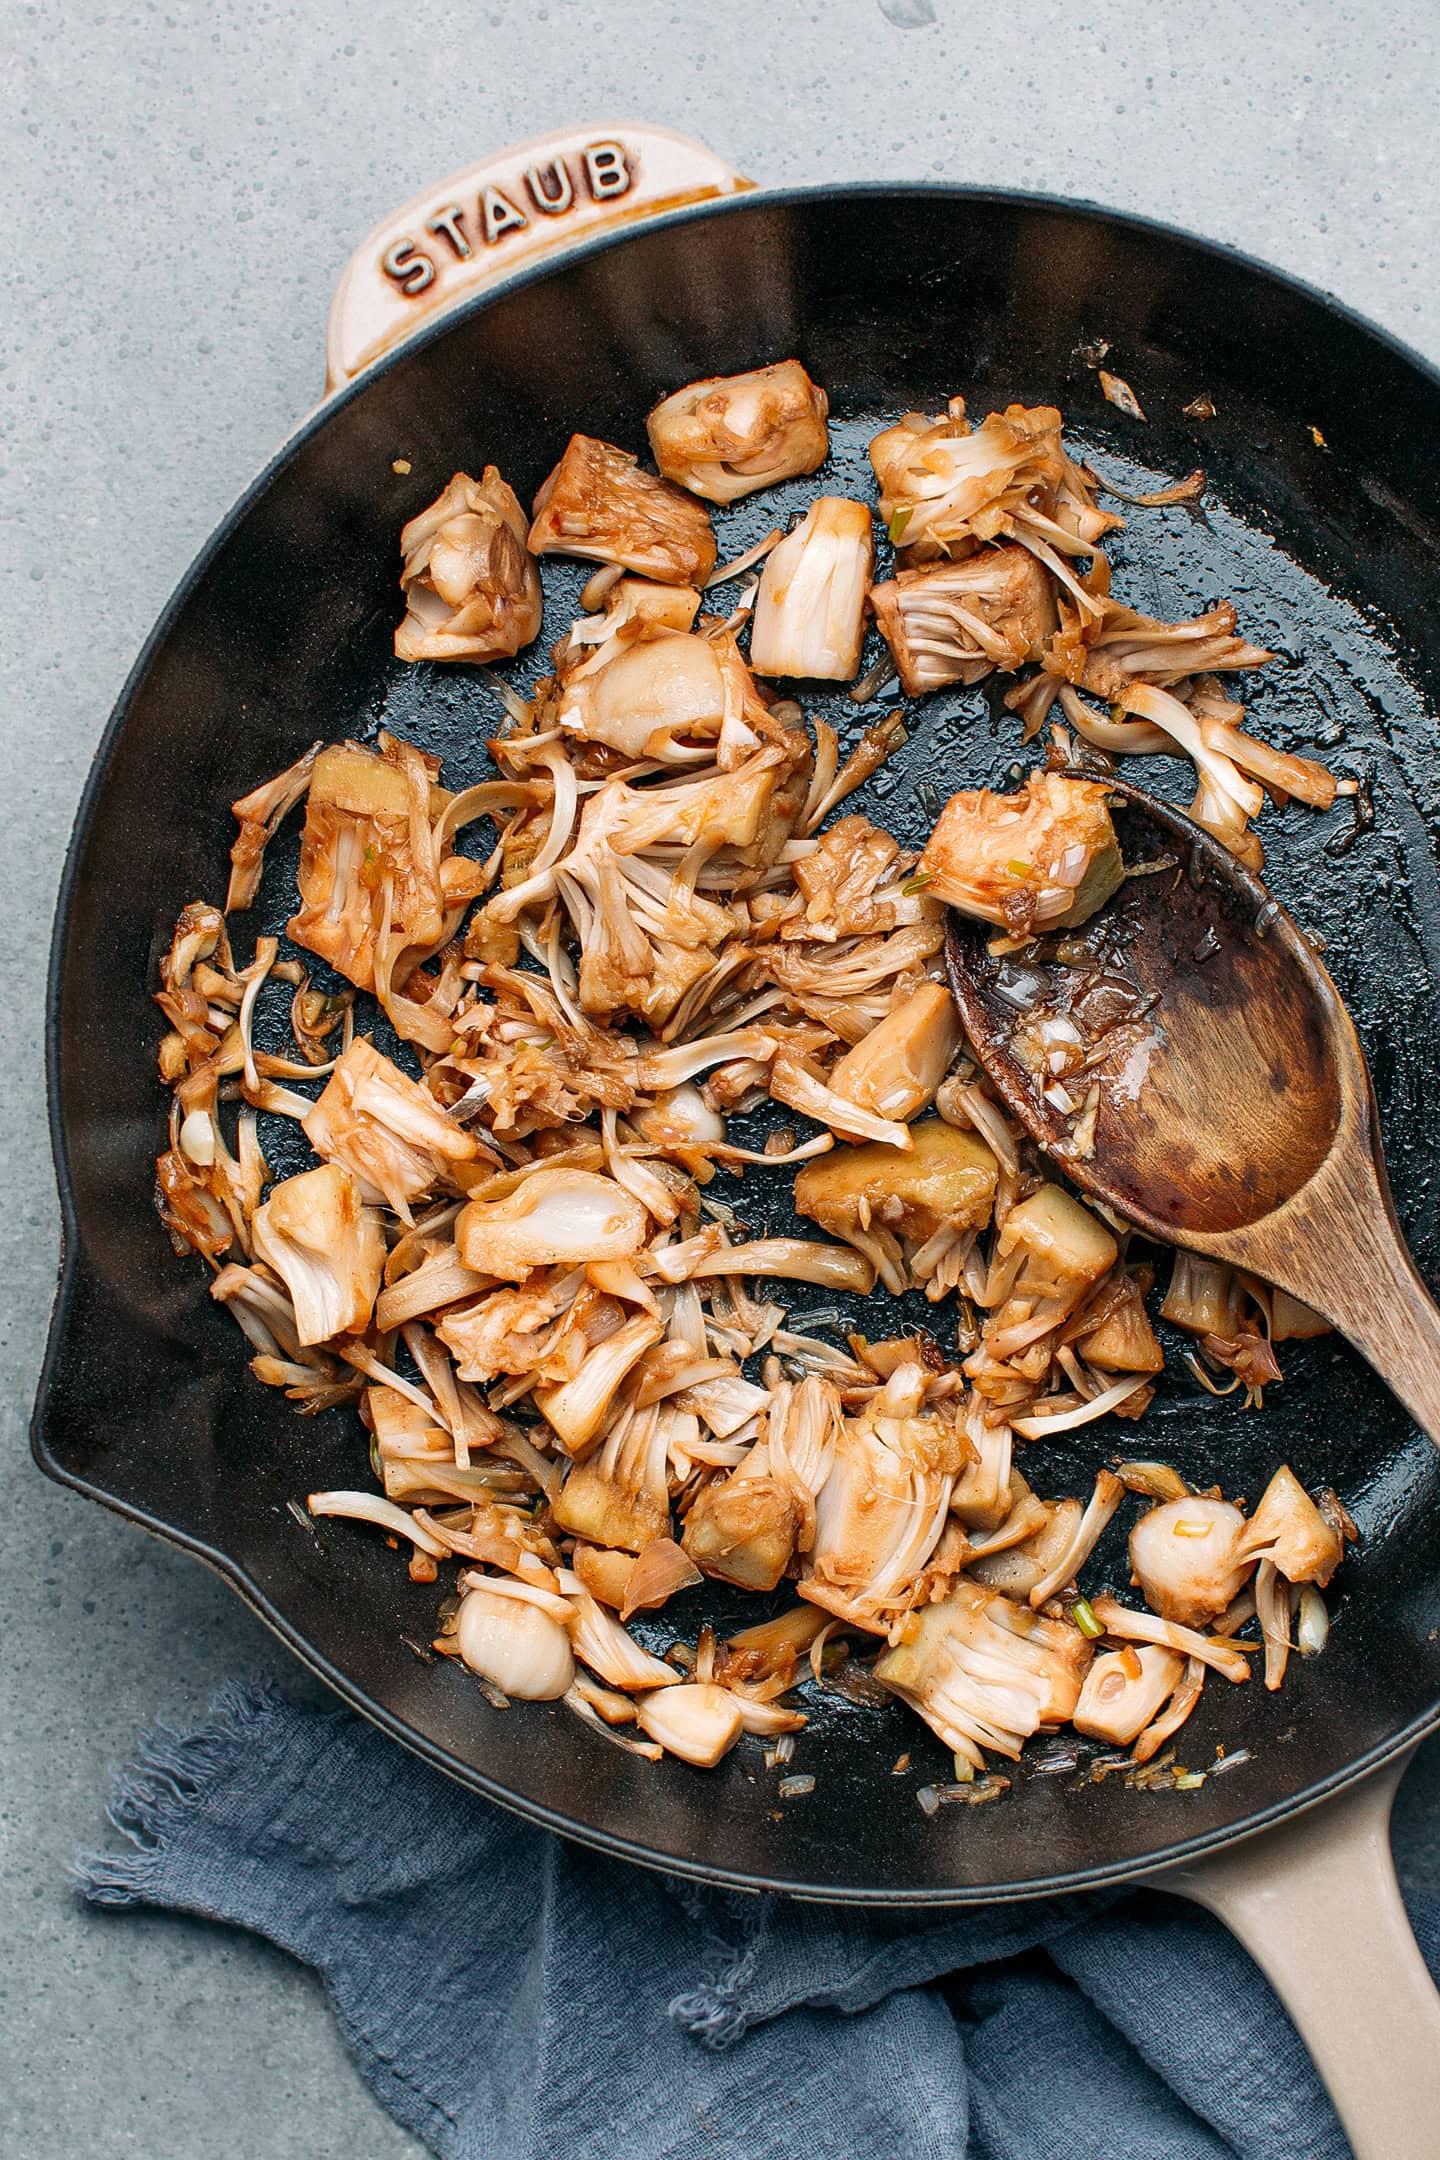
(1322, 520)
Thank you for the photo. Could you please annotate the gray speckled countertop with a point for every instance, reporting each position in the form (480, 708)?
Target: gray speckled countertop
(186, 182)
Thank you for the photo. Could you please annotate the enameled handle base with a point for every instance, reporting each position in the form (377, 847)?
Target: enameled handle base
(1316, 1904)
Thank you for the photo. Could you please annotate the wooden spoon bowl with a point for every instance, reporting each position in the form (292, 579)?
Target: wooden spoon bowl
(1222, 1102)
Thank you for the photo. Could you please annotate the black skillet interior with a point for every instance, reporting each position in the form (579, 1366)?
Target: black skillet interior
(1321, 520)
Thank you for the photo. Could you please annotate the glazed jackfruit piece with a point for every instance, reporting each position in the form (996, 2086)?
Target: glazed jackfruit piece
(1289, 1531)
(1189, 1560)
(956, 622)
(328, 1249)
(1041, 859)
(1015, 1569)
(472, 588)
(944, 484)
(598, 504)
(895, 1069)
(619, 1496)
(731, 434)
(1129, 648)
(742, 1529)
(1123, 1341)
(385, 1128)
(368, 826)
(568, 1216)
(883, 1506)
(810, 612)
(985, 1672)
(697, 1721)
(946, 1179)
(660, 692)
(514, 1644)
(1122, 1693)
(1062, 1241)
(577, 1409)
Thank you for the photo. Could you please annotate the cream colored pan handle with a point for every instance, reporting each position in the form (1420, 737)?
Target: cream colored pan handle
(503, 214)
(1316, 1904)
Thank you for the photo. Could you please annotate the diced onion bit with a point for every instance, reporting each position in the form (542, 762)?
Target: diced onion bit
(1119, 393)
(1312, 1624)
(545, 997)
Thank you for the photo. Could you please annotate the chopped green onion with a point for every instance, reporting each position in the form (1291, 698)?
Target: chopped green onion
(1189, 1780)
(898, 524)
(917, 884)
(1018, 869)
(1084, 1618)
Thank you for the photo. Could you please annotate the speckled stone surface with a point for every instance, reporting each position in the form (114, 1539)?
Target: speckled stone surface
(184, 184)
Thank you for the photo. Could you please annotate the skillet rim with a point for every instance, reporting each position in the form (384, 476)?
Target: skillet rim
(230, 1570)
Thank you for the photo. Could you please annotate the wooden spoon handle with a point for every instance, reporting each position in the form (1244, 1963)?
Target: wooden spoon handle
(1342, 1251)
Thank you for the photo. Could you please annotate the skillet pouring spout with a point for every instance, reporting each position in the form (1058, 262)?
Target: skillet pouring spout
(1227, 1106)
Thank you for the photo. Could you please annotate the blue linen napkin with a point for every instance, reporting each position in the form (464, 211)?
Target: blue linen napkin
(512, 1997)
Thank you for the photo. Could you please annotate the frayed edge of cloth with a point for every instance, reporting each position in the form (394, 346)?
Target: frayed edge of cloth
(715, 2014)
(169, 1779)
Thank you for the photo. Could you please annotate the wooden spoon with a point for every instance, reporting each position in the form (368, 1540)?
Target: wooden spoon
(1235, 1114)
